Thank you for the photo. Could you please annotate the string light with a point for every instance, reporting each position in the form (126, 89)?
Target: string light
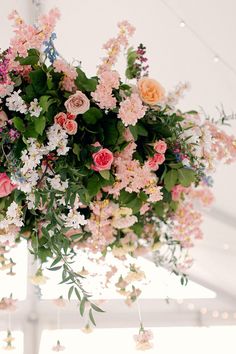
(215, 314)
(203, 310)
(216, 59)
(191, 306)
(225, 315)
(182, 24)
(226, 246)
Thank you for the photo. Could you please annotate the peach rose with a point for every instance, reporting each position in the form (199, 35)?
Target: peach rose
(60, 118)
(6, 186)
(77, 103)
(102, 160)
(3, 119)
(150, 91)
(70, 126)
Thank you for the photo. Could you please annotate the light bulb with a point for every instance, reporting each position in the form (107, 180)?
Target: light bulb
(216, 59)
(182, 24)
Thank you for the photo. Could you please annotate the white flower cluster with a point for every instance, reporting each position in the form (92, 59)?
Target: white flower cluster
(13, 216)
(34, 108)
(57, 139)
(57, 184)
(15, 103)
(74, 219)
(32, 156)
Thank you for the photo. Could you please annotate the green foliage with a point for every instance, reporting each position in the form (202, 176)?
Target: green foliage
(92, 116)
(83, 83)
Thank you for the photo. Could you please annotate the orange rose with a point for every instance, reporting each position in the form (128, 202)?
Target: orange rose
(150, 91)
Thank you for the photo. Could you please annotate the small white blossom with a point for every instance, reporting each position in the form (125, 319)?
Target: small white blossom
(57, 184)
(74, 219)
(34, 108)
(57, 139)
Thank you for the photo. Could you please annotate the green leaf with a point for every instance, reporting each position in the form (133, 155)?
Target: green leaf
(83, 83)
(96, 308)
(111, 134)
(40, 124)
(170, 179)
(76, 150)
(56, 261)
(82, 306)
(46, 101)
(70, 292)
(93, 185)
(141, 130)
(18, 124)
(39, 81)
(135, 205)
(30, 60)
(134, 131)
(55, 268)
(105, 174)
(77, 294)
(91, 317)
(186, 176)
(159, 209)
(92, 115)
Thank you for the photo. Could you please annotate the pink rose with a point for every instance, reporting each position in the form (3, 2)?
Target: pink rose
(70, 116)
(60, 118)
(3, 119)
(77, 103)
(160, 146)
(70, 126)
(102, 160)
(155, 161)
(159, 158)
(6, 186)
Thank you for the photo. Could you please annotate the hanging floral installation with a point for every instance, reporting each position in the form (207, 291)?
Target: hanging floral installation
(101, 165)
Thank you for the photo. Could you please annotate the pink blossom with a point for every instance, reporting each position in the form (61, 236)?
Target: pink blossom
(177, 191)
(70, 74)
(103, 95)
(131, 109)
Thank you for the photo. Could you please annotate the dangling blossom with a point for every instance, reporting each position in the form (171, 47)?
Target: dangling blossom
(143, 339)
(58, 347)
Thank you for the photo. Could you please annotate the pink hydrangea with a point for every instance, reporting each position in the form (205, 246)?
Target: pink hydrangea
(131, 109)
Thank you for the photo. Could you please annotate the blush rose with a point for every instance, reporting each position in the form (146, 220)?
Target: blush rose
(6, 186)
(160, 146)
(78, 103)
(70, 126)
